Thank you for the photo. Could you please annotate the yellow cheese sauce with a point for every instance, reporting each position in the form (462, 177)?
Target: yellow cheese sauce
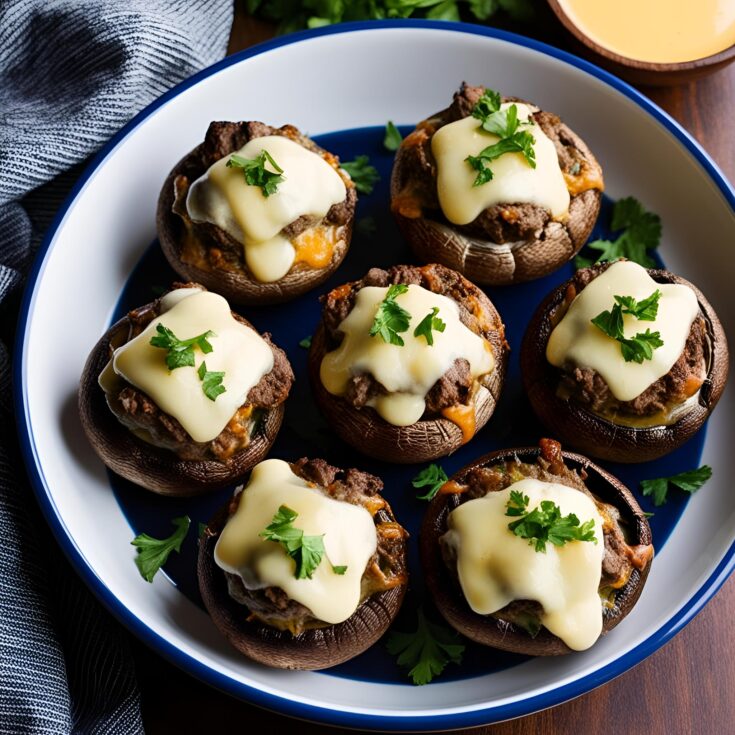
(349, 536)
(663, 31)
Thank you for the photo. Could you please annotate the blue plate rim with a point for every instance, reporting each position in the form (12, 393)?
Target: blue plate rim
(275, 703)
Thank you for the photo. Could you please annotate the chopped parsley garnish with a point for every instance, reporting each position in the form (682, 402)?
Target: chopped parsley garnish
(255, 172)
(305, 342)
(427, 651)
(430, 322)
(638, 348)
(641, 234)
(153, 552)
(432, 477)
(363, 175)
(211, 382)
(306, 551)
(393, 137)
(545, 523)
(390, 318)
(180, 351)
(689, 481)
(504, 124)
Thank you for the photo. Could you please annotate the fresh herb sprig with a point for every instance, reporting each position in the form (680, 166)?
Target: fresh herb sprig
(427, 651)
(430, 322)
(641, 234)
(689, 481)
(153, 552)
(545, 523)
(393, 138)
(638, 348)
(256, 173)
(506, 125)
(306, 551)
(432, 477)
(211, 382)
(305, 343)
(363, 175)
(391, 318)
(180, 352)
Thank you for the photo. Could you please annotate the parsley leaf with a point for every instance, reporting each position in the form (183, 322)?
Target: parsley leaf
(306, 342)
(306, 551)
(211, 382)
(153, 552)
(390, 318)
(180, 351)
(689, 481)
(641, 233)
(430, 322)
(545, 523)
(393, 137)
(256, 174)
(640, 347)
(487, 105)
(427, 651)
(432, 477)
(363, 175)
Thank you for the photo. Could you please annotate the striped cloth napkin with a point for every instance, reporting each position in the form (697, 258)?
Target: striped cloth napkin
(72, 72)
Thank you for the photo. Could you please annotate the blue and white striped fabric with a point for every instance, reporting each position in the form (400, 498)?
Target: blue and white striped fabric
(72, 72)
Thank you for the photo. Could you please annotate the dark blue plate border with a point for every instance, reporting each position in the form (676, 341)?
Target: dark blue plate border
(190, 664)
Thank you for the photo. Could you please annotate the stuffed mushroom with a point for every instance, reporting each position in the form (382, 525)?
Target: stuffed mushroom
(624, 363)
(182, 396)
(495, 188)
(535, 550)
(305, 567)
(256, 213)
(408, 363)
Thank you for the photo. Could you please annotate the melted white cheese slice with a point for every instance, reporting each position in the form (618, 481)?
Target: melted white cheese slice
(349, 534)
(496, 567)
(514, 181)
(222, 197)
(408, 372)
(577, 341)
(238, 351)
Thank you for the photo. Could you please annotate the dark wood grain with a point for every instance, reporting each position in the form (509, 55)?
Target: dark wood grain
(686, 687)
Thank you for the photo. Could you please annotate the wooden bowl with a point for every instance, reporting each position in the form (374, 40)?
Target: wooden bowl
(654, 73)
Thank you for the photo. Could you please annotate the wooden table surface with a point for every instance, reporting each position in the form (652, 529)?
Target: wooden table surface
(686, 687)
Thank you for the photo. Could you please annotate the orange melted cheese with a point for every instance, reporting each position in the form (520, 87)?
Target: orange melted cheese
(590, 177)
(464, 418)
(315, 246)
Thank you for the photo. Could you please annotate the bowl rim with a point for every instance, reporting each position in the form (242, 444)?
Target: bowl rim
(411, 721)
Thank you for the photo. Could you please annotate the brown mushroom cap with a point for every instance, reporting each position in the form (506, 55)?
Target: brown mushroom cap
(151, 467)
(497, 264)
(317, 648)
(425, 440)
(489, 631)
(236, 287)
(597, 436)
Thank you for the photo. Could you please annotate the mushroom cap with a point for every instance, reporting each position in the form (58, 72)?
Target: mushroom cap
(506, 636)
(317, 648)
(152, 467)
(592, 434)
(498, 264)
(236, 287)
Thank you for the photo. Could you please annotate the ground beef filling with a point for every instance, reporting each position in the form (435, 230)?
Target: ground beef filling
(620, 557)
(385, 570)
(456, 386)
(589, 389)
(209, 246)
(140, 414)
(502, 223)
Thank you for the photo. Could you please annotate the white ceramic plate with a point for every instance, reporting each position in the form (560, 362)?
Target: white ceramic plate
(354, 76)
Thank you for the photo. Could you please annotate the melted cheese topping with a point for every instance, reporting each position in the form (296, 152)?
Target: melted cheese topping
(350, 540)
(407, 372)
(238, 351)
(577, 341)
(222, 197)
(663, 31)
(514, 181)
(496, 567)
